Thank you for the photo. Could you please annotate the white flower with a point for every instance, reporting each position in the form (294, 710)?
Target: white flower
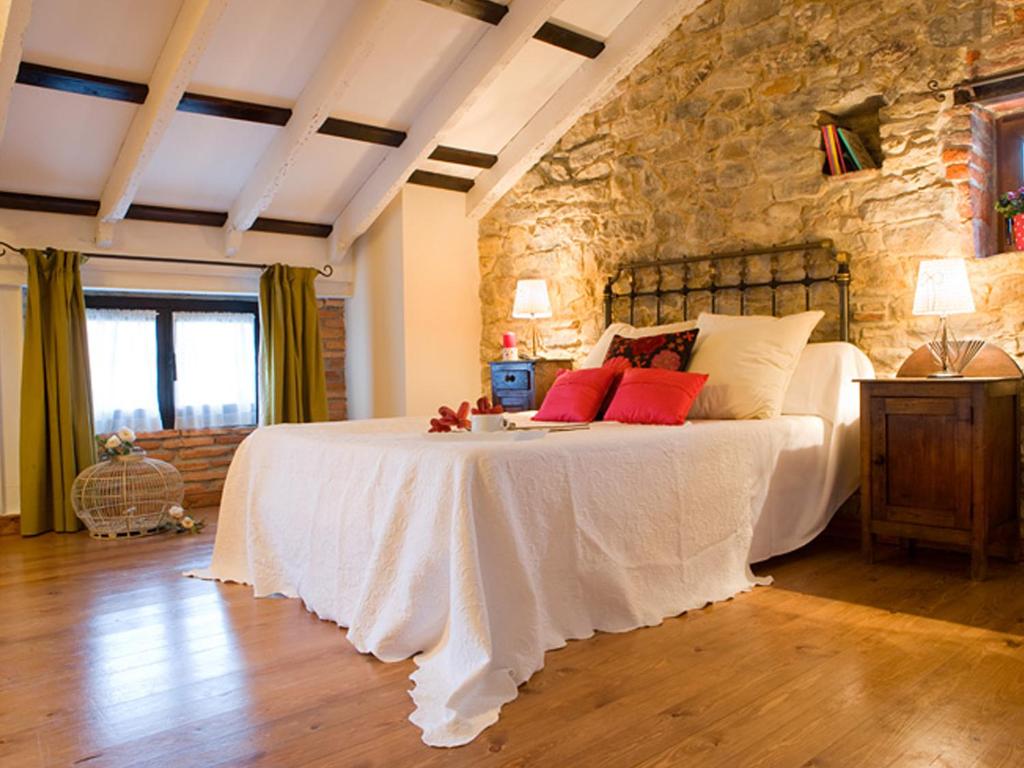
(176, 512)
(126, 435)
(113, 442)
(187, 523)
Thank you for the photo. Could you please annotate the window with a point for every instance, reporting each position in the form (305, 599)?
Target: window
(1009, 162)
(160, 362)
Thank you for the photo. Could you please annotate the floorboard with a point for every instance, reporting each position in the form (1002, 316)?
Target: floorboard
(109, 657)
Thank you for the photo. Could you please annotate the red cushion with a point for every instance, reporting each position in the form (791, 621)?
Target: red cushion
(576, 395)
(671, 351)
(654, 396)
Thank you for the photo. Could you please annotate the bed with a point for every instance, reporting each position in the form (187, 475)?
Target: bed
(475, 554)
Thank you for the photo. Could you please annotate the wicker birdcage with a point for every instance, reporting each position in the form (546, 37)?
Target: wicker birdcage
(126, 496)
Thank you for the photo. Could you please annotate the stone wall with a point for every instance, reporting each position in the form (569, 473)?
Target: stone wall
(712, 144)
(203, 455)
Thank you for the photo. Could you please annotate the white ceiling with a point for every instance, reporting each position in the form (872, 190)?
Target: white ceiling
(60, 143)
(265, 51)
(113, 38)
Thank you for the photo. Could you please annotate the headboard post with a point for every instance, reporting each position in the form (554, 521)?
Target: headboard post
(608, 298)
(843, 284)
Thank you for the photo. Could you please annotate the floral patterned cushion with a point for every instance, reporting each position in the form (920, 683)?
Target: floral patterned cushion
(669, 351)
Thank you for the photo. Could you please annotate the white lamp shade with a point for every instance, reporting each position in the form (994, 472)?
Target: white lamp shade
(943, 288)
(532, 300)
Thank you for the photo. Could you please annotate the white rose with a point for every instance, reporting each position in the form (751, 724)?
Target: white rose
(187, 522)
(176, 512)
(126, 435)
(113, 442)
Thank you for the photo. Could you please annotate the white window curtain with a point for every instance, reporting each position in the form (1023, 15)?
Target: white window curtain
(215, 369)
(122, 363)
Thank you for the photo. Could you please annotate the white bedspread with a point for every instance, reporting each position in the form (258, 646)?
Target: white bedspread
(476, 554)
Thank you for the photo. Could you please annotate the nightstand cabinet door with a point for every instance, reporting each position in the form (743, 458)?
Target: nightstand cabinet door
(921, 456)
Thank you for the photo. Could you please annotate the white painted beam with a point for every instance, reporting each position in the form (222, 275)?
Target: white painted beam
(181, 53)
(334, 75)
(443, 109)
(631, 42)
(14, 16)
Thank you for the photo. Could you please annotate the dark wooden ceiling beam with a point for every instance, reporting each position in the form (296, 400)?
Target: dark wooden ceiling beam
(463, 157)
(569, 40)
(22, 201)
(441, 181)
(233, 109)
(481, 10)
(81, 83)
(168, 215)
(175, 215)
(552, 34)
(346, 129)
(288, 227)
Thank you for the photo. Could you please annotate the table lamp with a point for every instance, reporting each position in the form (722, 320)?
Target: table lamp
(943, 290)
(532, 303)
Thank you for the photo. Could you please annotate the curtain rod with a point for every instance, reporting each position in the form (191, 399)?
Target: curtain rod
(326, 271)
(937, 90)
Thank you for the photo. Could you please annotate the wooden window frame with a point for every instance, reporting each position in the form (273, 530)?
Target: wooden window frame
(165, 307)
(1009, 165)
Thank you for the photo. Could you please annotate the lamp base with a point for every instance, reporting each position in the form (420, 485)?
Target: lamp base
(945, 375)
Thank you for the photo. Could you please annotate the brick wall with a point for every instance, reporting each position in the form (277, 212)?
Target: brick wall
(201, 455)
(204, 455)
(332, 336)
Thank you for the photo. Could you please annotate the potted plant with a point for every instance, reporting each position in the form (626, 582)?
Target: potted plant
(1011, 206)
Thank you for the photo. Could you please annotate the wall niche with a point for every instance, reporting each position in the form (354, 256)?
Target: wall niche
(852, 139)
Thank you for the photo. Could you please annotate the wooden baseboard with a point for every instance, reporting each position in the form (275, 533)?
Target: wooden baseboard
(10, 525)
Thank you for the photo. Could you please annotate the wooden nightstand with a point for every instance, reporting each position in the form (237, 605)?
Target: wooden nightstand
(520, 385)
(940, 463)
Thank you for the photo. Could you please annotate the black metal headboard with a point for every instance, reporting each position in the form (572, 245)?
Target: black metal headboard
(766, 278)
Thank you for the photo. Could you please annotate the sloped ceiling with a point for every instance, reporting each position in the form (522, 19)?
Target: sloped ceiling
(58, 143)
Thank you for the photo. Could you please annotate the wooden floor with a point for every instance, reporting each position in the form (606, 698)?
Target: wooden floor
(109, 658)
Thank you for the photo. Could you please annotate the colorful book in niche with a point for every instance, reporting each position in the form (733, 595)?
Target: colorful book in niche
(833, 150)
(855, 149)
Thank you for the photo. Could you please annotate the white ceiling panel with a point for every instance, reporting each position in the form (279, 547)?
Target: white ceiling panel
(113, 38)
(532, 77)
(60, 143)
(203, 162)
(595, 18)
(326, 173)
(267, 50)
(420, 46)
(450, 169)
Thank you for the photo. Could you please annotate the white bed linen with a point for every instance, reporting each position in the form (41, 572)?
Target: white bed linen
(476, 554)
(806, 490)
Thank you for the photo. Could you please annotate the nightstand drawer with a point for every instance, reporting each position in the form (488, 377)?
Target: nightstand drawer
(513, 401)
(513, 378)
(520, 385)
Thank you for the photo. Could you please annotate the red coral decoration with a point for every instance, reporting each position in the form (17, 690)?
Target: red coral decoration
(484, 407)
(450, 419)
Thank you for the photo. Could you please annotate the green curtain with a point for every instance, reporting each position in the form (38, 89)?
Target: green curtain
(292, 384)
(57, 439)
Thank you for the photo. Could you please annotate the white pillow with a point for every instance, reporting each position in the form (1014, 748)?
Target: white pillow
(822, 383)
(749, 361)
(595, 359)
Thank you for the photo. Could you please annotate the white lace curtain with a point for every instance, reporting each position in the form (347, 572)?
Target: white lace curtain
(122, 363)
(215, 364)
